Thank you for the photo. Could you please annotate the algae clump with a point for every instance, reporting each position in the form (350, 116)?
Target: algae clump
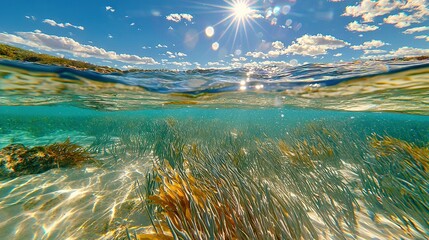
(17, 159)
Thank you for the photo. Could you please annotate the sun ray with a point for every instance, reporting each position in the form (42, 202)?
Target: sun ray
(240, 15)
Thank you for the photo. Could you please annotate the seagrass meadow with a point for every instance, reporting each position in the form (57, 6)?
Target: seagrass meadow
(190, 173)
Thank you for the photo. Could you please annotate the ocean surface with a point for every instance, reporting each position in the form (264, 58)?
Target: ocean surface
(316, 151)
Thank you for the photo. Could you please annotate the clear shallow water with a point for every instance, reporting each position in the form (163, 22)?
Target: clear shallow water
(280, 163)
(376, 86)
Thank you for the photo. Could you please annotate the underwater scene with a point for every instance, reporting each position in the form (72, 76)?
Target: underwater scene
(220, 119)
(91, 156)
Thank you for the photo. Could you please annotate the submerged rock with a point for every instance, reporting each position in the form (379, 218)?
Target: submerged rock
(17, 160)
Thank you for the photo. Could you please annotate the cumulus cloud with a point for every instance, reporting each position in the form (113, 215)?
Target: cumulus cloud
(161, 46)
(369, 45)
(358, 27)
(416, 29)
(338, 55)
(419, 7)
(278, 45)
(176, 54)
(401, 20)
(410, 51)
(313, 45)
(400, 52)
(180, 54)
(177, 17)
(256, 55)
(307, 45)
(369, 9)
(62, 25)
(68, 45)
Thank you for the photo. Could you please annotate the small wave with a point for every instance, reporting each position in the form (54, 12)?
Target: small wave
(398, 86)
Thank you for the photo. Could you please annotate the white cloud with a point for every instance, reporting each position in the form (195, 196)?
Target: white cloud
(31, 17)
(338, 55)
(128, 67)
(68, 45)
(278, 45)
(416, 29)
(426, 37)
(313, 45)
(401, 20)
(373, 51)
(62, 25)
(274, 53)
(215, 64)
(255, 15)
(401, 52)
(252, 65)
(180, 54)
(358, 27)
(307, 45)
(180, 64)
(161, 46)
(369, 9)
(187, 17)
(369, 45)
(175, 54)
(240, 59)
(419, 7)
(410, 51)
(279, 64)
(256, 54)
(110, 9)
(177, 17)
(421, 37)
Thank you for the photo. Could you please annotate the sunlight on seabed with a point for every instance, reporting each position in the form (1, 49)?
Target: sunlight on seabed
(273, 168)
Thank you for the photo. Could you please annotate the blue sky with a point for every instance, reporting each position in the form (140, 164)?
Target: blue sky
(190, 34)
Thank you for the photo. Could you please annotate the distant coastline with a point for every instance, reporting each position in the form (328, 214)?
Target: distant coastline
(9, 52)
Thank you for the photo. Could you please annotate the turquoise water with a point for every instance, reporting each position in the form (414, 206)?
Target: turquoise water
(285, 162)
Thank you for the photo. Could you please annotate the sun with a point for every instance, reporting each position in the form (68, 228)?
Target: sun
(241, 10)
(240, 14)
